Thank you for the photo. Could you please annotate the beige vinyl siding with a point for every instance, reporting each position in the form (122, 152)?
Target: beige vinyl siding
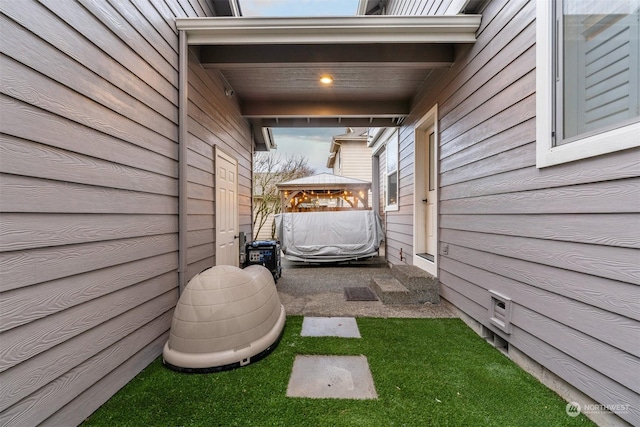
(89, 196)
(355, 160)
(265, 232)
(561, 242)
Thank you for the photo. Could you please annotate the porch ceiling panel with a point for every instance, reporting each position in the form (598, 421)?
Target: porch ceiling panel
(349, 84)
(378, 64)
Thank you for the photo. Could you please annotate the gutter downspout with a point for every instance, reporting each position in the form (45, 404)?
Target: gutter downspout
(183, 99)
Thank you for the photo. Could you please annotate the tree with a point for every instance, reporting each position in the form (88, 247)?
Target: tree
(270, 169)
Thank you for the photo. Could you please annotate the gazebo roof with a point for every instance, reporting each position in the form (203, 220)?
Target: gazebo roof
(324, 181)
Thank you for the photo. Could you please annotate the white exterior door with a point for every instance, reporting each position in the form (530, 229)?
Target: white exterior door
(426, 194)
(227, 251)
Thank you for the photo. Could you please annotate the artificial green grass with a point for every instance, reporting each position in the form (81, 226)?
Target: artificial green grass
(427, 372)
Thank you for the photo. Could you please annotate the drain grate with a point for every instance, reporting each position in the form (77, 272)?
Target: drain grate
(360, 294)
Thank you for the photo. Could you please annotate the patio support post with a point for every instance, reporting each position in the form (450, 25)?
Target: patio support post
(282, 201)
(182, 158)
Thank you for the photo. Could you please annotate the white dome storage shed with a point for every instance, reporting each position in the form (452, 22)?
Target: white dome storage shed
(226, 317)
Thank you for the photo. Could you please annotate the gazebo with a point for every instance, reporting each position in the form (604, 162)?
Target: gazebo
(324, 192)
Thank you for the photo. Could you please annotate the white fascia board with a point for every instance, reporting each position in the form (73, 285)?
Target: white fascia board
(380, 139)
(322, 30)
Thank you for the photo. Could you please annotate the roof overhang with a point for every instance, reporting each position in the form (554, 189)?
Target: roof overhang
(379, 63)
(330, 30)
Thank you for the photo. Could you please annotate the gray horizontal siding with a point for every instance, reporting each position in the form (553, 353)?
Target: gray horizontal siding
(213, 122)
(583, 228)
(401, 236)
(60, 294)
(21, 82)
(561, 242)
(43, 161)
(56, 131)
(89, 197)
(29, 267)
(614, 166)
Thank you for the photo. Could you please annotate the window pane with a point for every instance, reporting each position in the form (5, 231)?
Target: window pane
(392, 189)
(432, 163)
(392, 153)
(600, 66)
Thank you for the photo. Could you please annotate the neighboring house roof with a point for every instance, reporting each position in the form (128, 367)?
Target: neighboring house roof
(353, 134)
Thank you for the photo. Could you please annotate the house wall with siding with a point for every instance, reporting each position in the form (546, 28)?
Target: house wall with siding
(355, 160)
(214, 124)
(89, 198)
(561, 242)
(265, 231)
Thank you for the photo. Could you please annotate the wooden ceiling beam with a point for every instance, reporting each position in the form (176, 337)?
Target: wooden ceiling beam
(313, 109)
(331, 122)
(407, 55)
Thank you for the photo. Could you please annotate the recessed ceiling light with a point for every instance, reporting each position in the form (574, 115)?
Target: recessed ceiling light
(326, 80)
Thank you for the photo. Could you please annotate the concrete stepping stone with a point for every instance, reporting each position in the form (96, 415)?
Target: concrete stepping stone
(331, 377)
(344, 327)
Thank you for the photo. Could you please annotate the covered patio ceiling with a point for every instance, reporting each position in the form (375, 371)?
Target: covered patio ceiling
(378, 64)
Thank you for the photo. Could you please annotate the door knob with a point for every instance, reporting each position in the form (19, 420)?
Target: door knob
(425, 200)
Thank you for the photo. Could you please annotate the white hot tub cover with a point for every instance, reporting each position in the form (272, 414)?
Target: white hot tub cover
(226, 317)
(329, 236)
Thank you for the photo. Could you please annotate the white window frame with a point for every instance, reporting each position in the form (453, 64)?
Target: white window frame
(394, 136)
(621, 138)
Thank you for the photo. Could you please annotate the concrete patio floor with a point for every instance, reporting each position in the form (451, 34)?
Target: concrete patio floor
(318, 290)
